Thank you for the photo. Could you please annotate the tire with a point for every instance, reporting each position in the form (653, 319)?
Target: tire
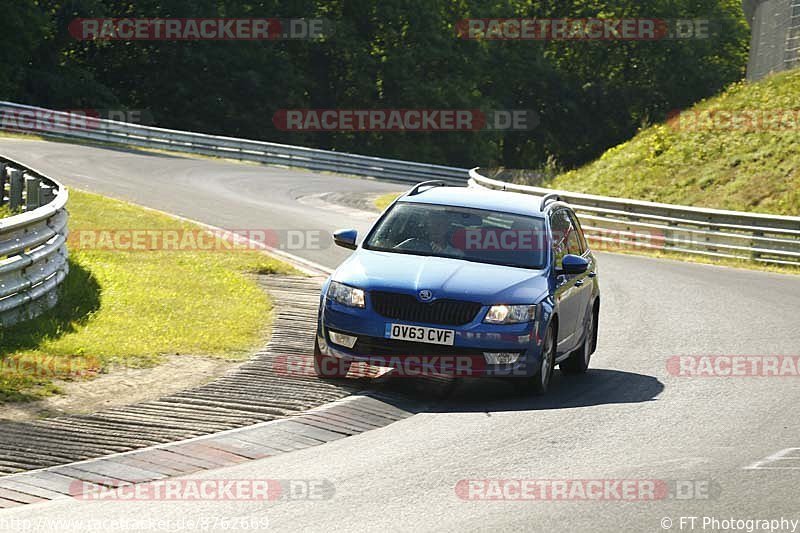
(578, 361)
(327, 367)
(540, 383)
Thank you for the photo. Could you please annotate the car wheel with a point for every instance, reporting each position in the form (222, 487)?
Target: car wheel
(539, 383)
(327, 367)
(578, 361)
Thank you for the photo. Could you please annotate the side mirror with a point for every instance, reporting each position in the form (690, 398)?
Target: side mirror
(346, 238)
(574, 264)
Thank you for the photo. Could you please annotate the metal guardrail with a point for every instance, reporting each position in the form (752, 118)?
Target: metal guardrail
(30, 119)
(33, 249)
(622, 223)
(610, 221)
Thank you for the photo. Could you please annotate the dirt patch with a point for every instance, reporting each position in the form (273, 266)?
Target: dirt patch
(354, 204)
(121, 387)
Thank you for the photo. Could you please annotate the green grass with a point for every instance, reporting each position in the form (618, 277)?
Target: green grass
(5, 211)
(383, 201)
(20, 135)
(131, 308)
(745, 168)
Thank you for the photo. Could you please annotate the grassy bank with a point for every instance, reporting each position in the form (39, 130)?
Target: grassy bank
(133, 307)
(735, 151)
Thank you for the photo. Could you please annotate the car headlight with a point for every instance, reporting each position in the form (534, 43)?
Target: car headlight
(342, 339)
(346, 295)
(510, 314)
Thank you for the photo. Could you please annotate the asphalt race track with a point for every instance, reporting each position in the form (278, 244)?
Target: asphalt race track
(629, 418)
(228, 195)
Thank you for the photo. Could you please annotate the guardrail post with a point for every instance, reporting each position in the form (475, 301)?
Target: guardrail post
(46, 194)
(753, 254)
(31, 192)
(2, 183)
(15, 190)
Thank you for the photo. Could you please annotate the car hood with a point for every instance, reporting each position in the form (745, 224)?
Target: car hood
(446, 278)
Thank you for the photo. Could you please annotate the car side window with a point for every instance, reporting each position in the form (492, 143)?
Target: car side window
(579, 233)
(573, 242)
(560, 229)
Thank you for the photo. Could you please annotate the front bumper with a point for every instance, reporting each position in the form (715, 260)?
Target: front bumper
(464, 359)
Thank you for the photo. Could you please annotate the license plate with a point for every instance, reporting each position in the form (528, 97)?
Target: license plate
(420, 334)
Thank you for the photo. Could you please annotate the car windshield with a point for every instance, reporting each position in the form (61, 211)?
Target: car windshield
(461, 233)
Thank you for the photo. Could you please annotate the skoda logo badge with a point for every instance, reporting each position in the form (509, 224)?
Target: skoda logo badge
(425, 295)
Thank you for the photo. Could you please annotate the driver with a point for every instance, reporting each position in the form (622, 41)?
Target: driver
(440, 232)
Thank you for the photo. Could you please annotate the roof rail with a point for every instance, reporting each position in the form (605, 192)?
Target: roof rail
(416, 189)
(552, 197)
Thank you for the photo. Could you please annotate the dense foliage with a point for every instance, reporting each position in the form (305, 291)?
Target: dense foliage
(381, 54)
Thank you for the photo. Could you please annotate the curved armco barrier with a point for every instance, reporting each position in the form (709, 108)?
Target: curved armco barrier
(610, 222)
(30, 119)
(621, 223)
(33, 249)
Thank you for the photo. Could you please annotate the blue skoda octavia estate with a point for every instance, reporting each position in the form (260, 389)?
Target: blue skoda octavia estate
(467, 282)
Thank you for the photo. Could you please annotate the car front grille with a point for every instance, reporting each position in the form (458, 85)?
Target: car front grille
(408, 308)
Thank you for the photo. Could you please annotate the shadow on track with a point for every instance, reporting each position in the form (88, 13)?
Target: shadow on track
(596, 387)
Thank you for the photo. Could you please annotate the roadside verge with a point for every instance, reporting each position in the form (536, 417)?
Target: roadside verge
(257, 391)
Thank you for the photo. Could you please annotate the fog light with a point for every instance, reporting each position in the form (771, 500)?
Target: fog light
(348, 341)
(323, 344)
(501, 358)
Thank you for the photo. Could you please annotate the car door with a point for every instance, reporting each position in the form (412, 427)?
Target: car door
(566, 293)
(584, 283)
